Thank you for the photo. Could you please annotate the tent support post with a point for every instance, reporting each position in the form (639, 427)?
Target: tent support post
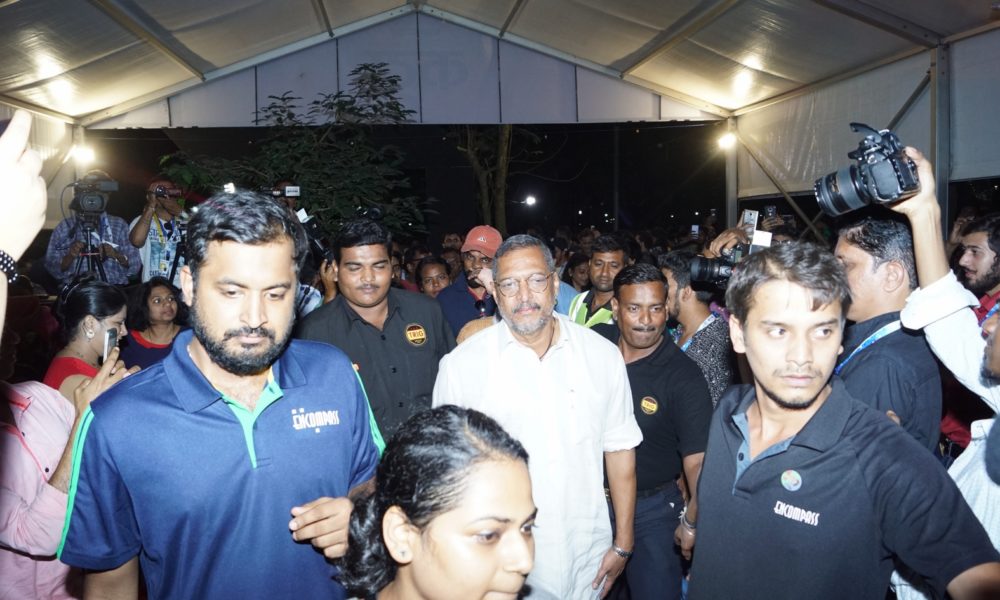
(940, 154)
(732, 177)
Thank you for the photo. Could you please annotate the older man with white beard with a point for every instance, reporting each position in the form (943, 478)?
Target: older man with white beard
(563, 391)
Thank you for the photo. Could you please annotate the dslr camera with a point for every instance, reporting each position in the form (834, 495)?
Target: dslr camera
(882, 174)
(717, 271)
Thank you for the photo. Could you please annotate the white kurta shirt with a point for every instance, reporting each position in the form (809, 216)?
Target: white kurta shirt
(942, 310)
(567, 409)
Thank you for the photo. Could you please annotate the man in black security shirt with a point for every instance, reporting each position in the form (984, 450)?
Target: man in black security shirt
(889, 368)
(673, 408)
(394, 338)
(806, 492)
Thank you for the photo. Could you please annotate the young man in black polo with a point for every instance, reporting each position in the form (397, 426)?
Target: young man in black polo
(394, 338)
(806, 492)
(673, 409)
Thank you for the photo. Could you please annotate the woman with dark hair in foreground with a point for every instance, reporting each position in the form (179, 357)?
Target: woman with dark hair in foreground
(450, 517)
(87, 312)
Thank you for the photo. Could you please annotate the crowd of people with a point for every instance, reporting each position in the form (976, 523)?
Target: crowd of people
(225, 414)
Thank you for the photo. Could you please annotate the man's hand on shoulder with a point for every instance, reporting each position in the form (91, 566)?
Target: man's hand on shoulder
(324, 524)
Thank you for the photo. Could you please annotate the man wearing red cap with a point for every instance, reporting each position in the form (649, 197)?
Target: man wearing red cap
(467, 298)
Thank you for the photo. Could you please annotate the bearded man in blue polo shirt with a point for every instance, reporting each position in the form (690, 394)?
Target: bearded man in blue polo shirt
(806, 492)
(193, 469)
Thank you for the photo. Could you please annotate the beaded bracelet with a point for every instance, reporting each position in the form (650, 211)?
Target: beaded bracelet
(8, 266)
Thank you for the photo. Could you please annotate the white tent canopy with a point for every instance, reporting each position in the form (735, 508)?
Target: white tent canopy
(789, 74)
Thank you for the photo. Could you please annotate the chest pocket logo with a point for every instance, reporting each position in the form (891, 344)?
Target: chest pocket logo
(649, 405)
(314, 420)
(416, 334)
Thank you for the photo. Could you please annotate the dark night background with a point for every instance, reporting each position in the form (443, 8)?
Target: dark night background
(670, 174)
(667, 172)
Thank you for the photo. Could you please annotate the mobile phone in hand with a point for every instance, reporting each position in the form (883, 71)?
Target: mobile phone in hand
(110, 341)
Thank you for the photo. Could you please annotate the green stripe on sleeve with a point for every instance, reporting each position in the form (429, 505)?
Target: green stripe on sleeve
(376, 432)
(81, 436)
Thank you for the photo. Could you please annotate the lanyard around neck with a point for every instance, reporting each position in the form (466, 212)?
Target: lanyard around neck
(708, 321)
(868, 341)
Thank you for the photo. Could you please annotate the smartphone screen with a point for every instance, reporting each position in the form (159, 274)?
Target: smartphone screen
(110, 341)
(694, 231)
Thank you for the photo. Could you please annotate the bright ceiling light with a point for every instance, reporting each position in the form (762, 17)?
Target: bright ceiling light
(727, 141)
(82, 155)
(530, 200)
(743, 82)
(61, 90)
(47, 67)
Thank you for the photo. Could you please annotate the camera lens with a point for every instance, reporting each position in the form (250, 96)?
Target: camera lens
(707, 269)
(838, 192)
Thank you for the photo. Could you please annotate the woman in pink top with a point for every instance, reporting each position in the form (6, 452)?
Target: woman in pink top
(89, 310)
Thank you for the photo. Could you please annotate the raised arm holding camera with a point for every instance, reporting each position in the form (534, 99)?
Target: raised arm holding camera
(158, 232)
(942, 308)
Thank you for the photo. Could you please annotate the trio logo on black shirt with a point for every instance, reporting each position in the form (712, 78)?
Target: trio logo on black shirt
(416, 334)
(649, 405)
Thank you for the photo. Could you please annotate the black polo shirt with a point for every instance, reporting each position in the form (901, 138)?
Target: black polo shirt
(823, 518)
(673, 409)
(398, 365)
(897, 373)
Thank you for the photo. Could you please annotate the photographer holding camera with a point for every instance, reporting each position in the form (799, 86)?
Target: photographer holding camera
(92, 240)
(158, 232)
(942, 307)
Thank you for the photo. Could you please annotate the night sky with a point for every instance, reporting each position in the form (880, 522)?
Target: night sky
(667, 172)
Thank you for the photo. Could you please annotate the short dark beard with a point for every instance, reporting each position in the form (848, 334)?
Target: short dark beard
(988, 281)
(237, 364)
(788, 405)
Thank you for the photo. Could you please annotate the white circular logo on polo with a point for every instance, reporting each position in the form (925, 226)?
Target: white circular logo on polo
(791, 480)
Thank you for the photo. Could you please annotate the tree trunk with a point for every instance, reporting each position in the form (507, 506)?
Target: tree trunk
(482, 175)
(504, 135)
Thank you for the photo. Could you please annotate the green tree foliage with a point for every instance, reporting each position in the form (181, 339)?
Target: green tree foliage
(325, 147)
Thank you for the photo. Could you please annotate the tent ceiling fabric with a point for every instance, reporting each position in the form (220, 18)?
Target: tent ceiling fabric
(728, 53)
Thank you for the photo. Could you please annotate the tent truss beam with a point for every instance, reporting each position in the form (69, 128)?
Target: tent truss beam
(324, 18)
(777, 184)
(38, 110)
(514, 11)
(118, 15)
(884, 20)
(177, 88)
(685, 27)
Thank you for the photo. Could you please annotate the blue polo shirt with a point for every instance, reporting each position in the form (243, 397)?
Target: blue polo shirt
(201, 489)
(459, 305)
(824, 514)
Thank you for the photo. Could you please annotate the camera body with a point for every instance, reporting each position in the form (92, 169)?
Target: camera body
(716, 271)
(92, 192)
(882, 174)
